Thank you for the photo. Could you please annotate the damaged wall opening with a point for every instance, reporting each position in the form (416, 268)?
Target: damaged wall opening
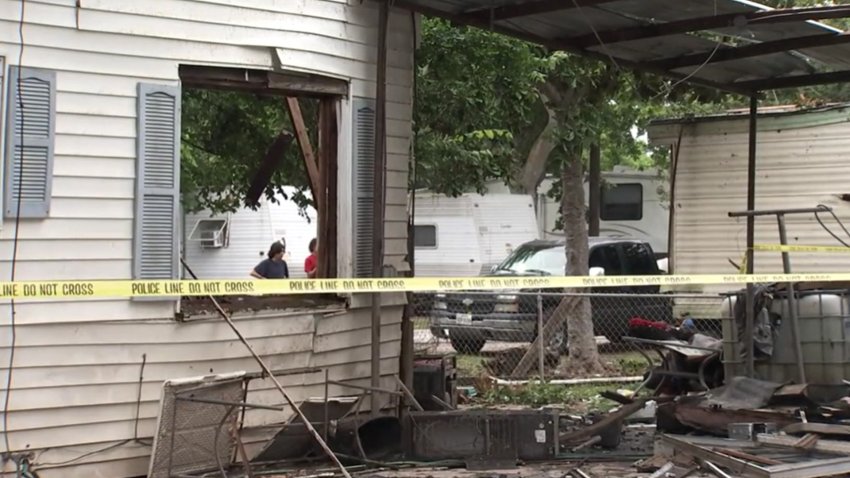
(256, 163)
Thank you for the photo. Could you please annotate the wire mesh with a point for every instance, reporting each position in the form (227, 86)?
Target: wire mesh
(496, 333)
(192, 435)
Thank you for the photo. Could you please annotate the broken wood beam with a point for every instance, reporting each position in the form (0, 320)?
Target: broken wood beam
(819, 428)
(836, 447)
(717, 421)
(578, 436)
(328, 166)
(747, 456)
(302, 136)
(555, 320)
(269, 164)
(808, 441)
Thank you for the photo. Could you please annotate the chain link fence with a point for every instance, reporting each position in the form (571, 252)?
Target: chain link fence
(496, 333)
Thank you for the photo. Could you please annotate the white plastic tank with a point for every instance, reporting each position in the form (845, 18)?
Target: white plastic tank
(824, 323)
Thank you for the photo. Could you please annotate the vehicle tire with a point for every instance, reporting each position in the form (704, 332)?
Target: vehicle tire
(465, 344)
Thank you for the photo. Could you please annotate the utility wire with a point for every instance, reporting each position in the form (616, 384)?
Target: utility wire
(13, 310)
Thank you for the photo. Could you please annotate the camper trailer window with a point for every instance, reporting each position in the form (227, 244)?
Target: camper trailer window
(622, 202)
(425, 236)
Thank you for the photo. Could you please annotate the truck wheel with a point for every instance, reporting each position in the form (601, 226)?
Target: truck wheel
(466, 344)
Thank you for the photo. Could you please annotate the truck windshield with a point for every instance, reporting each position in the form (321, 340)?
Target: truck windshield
(536, 260)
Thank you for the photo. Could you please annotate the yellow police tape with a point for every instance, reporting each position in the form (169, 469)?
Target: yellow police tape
(174, 288)
(796, 248)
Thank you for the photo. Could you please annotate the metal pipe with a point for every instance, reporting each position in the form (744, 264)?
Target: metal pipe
(379, 193)
(327, 411)
(541, 349)
(792, 301)
(282, 372)
(224, 402)
(751, 205)
(368, 389)
(751, 212)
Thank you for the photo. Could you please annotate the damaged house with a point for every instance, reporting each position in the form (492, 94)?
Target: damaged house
(91, 122)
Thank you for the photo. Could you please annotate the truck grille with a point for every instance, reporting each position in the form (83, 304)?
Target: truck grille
(480, 304)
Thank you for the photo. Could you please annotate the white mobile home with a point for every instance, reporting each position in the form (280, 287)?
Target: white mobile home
(239, 240)
(466, 235)
(632, 204)
(100, 82)
(800, 163)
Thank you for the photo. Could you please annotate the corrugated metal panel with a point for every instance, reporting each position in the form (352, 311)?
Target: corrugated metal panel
(800, 167)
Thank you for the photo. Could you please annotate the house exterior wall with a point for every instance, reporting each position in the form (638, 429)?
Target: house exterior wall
(76, 384)
(799, 164)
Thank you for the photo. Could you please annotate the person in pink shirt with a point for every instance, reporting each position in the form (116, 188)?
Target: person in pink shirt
(311, 264)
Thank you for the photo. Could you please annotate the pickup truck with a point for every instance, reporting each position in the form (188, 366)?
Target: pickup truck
(470, 319)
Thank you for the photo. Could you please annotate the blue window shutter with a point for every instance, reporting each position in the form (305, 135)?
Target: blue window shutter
(363, 166)
(156, 231)
(29, 142)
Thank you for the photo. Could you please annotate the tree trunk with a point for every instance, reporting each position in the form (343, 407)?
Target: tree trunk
(584, 355)
(534, 167)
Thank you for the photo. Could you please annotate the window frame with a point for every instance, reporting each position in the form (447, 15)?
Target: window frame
(602, 202)
(436, 237)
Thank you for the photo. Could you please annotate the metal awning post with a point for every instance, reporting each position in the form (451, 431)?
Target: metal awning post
(751, 220)
(792, 300)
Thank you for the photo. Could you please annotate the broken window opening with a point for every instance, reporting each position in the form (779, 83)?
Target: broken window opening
(258, 164)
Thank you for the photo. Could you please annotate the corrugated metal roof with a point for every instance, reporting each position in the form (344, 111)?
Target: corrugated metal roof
(684, 39)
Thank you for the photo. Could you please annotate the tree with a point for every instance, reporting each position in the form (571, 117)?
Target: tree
(538, 113)
(225, 136)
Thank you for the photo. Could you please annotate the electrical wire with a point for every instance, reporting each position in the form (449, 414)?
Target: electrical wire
(701, 66)
(135, 438)
(13, 311)
(827, 229)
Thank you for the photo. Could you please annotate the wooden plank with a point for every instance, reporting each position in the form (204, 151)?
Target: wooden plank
(260, 80)
(820, 428)
(747, 456)
(329, 160)
(302, 137)
(824, 446)
(812, 468)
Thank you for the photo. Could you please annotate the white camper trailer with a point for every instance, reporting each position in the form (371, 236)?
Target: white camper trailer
(467, 235)
(228, 246)
(632, 205)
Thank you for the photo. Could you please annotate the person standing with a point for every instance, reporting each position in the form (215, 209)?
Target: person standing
(311, 264)
(273, 267)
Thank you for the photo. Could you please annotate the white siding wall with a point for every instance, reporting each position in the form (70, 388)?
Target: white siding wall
(77, 364)
(801, 162)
